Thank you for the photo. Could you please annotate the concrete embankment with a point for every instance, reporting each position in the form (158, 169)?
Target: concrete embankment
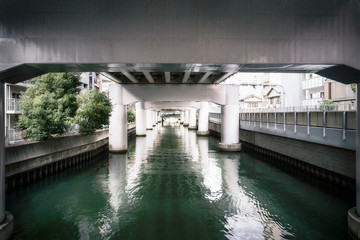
(30, 161)
(333, 164)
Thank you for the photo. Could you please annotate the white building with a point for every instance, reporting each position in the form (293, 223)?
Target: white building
(275, 89)
(313, 86)
(12, 107)
(251, 102)
(89, 80)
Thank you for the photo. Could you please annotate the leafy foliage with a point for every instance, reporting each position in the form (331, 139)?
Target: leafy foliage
(93, 112)
(49, 105)
(353, 87)
(327, 105)
(327, 102)
(130, 114)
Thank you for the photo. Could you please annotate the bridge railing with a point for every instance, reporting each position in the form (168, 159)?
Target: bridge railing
(323, 107)
(333, 128)
(215, 117)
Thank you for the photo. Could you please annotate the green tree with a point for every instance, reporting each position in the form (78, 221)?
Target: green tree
(49, 105)
(130, 114)
(353, 87)
(93, 112)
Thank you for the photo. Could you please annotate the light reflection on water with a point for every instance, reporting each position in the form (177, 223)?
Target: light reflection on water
(175, 185)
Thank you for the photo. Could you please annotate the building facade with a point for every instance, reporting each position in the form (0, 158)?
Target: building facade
(319, 91)
(13, 110)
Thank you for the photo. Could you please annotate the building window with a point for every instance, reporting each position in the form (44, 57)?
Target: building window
(253, 105)
(16, 95)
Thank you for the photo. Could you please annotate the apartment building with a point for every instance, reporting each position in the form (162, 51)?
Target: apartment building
(12, 107)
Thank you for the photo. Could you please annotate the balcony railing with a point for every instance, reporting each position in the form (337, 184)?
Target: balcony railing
(13, 105)
(313, 83)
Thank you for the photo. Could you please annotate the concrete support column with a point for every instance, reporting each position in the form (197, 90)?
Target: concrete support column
(354, 213)
(148, 119)
(182, 117)
(230, 121)
(203, 122)
(6, 218)
(2, 152)
(140, 119)
(154, 118)
(118, 120)
(186, 118)
(192, 119)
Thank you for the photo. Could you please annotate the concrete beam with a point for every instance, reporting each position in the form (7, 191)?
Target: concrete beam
(129, 76)
(171, 105)
(148, 76)
(186, 77)
(206, 75)
(266, 36)
(111, 77)
(215, 93)
(167, 77)
(224, 77)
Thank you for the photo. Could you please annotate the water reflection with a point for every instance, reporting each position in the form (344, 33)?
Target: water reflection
(134, 165)
(175, 185)
(193, 146)
(210, 171)
(117, 178)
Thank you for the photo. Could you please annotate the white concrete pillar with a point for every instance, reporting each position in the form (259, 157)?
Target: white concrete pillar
(148, 119)
(154, 118)
(354, 213)
(230, 120)
(2, 152)
(186, 118)
(118, 120)
(203, 121)
(192, 119)
(6, 218)
(182, 117)
(358, 149)
(140, 119)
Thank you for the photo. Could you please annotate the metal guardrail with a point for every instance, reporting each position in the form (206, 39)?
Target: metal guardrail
(215, 117)
(324, 107)
(331, 136)
(336, 137)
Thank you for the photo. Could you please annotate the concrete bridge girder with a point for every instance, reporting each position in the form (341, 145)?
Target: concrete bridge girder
(216, 93)
(171, 105)
(268, 36)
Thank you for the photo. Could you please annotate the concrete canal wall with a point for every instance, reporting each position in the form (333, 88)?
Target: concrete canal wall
(334, 164)
(30, 161)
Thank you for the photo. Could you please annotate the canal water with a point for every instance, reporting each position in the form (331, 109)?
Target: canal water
(175, 185)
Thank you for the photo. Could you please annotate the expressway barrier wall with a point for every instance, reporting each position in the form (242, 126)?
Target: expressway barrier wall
(31, 161)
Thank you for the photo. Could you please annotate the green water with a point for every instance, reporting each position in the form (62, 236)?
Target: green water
(175, 185)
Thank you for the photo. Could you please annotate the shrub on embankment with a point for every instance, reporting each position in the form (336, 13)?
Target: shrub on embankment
(50, 107)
